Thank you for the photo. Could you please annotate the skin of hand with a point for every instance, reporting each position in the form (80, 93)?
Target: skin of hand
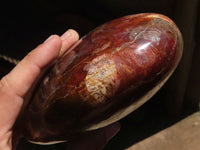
(16, 88)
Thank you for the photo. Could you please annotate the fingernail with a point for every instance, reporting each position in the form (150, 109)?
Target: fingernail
(66, 35)
(49, 39)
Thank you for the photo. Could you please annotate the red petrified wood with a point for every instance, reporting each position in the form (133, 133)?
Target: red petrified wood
(108, 74)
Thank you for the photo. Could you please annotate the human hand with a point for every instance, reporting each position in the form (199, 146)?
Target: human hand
(17, 86)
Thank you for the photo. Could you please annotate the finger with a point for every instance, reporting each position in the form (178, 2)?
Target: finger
(21, 78)
(69, 38)
(95, 140)
(17, 83)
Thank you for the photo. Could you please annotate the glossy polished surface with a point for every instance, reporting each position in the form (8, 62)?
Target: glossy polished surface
(109, 73)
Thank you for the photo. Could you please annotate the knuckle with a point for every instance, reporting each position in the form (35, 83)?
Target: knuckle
(28, 57)
(4, 82)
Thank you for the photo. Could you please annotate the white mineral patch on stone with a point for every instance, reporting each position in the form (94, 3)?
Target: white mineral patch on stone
(101, 78)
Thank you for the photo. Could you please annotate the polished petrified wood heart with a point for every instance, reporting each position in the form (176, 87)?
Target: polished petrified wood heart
(108, 74)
